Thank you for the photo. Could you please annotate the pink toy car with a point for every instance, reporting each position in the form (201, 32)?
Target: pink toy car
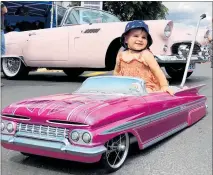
(89, 39)
(99, 121)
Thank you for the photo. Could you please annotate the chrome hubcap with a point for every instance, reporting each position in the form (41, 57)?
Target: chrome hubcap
(11, 66)
(117, 150)
(121, 147)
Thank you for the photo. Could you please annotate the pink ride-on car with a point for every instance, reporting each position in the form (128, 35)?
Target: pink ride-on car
(89, 39)
(99, 122)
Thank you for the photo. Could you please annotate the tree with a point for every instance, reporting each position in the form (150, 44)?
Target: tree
(74, 3)
(134, 10)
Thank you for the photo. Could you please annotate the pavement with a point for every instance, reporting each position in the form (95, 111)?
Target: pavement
(188, 152)
(86, 73)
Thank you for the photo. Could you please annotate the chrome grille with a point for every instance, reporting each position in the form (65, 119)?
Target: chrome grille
(40, 130)
(195, 51)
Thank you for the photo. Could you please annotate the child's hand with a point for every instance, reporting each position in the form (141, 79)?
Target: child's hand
(167, 89)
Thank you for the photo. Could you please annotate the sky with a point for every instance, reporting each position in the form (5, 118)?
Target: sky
(188, 13)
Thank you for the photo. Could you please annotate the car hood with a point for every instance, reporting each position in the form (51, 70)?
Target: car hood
(70, 108)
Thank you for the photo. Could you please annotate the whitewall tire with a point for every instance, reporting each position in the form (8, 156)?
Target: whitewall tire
(13, 68)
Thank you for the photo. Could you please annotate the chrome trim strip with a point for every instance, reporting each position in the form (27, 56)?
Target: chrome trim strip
(40, 130)
(192, 107)
(54, 146)
(66, 124)
(154, 117)
(142, 121)
(15, 118)
(40, 137)
(165, 135)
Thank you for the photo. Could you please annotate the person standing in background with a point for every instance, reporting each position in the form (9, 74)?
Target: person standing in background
(3, 12)
(209, 38)
(210, 42)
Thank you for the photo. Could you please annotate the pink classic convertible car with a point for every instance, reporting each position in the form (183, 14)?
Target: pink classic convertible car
(99, 121)
(89, 39)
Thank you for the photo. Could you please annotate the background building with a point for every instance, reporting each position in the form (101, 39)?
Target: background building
(90, 4)
(93, 4)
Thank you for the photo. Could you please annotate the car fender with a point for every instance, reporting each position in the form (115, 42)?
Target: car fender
(15, 56)
(100, 139)
(13, 49)
(14, 43)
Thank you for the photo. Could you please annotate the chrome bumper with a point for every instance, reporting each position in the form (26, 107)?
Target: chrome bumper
(61, 146)
(178, 59)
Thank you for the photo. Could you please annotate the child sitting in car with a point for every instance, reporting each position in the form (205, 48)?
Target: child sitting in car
(137, 60)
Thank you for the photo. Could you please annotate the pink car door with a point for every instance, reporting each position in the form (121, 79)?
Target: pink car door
(47, 45)
(88, 46)
(165, 117)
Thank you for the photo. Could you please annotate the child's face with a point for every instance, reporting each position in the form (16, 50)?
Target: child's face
(136, 39)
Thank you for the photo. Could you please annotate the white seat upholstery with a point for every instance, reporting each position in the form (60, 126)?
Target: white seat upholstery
(174, 88)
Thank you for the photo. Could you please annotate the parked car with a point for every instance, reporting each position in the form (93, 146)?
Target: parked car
(203, 40)
(98, 122)
(89, 39)
(182, 37)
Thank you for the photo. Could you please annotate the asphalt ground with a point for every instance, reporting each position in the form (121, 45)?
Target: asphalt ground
(188, 152)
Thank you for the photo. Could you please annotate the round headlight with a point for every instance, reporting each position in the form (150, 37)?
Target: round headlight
(10, 127)
(2, 126)
(167, 30)
(207, 34)
(86, 137)
(75, 136)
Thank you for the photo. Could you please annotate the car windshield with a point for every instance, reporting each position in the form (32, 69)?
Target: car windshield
(86, 16)
(60, 14)
(113, 85)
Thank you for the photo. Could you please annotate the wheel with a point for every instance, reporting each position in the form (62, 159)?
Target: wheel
(177, 71)
(13, 68)
(116, 154)
(72, 72)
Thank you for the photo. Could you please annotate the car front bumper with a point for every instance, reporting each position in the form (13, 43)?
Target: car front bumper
(56, 149)
(177, 59)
